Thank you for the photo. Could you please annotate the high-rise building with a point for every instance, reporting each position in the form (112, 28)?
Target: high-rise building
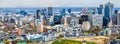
(115, 12)
(51, 23)
(79, 19)
(40, 27)
(39, 23)
(86, 25)
(44, 22)
(118, 18)
(114, 21)
(105, 21)
(95, 11)
(12, 20)
(62, 20)
(63, 12)
(67, 20)
(108, 12)
(97, 20)
(47, 21)
(38, 14)
(57, 19)
(74, 21)
(114, 17)
(69, 10)
(84, 17)
(100, 9)
(43, 12)
(50, 11)
(101, 6)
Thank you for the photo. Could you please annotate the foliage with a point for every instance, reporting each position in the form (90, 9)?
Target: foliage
(64, 41)
(94, 29)
(118, 37)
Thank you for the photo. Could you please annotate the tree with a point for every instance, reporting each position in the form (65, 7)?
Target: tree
(6, 41)
(95, 29)
(118, 37)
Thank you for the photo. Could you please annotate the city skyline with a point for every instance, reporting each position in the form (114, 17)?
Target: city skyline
(56, 3)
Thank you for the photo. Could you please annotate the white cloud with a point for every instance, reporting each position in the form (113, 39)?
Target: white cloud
(55, 3)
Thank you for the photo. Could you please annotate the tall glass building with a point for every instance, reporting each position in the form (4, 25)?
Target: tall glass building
(63, 12)
(50, 11)
(38, 14)
(100, 9)
(108, 12)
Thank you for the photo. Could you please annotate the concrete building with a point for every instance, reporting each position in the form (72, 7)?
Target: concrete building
(86, 25)
(118, 18)
(67, 20)
(60, 28)
(41, 37)
(97, 20)
(39, 24)
(40, 27)
(105, 32)
(74, 21)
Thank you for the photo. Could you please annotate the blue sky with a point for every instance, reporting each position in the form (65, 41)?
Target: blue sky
(56, 3)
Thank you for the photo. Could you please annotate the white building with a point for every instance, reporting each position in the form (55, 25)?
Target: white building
(60, 28)
(41, 37)
(105, 32)
(86, 25)
(49, 37)
(74, 21)
(97, 19)
(67, 20)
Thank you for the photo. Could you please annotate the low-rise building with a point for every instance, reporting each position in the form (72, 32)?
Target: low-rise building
(105, 32)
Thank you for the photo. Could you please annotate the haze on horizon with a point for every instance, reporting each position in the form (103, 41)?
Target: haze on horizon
(56, 3)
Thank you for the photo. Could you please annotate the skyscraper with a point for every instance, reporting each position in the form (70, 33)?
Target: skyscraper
(97, 20)
(114, 21)
(62, 12)
(74, 21)
(84, 18)
(38, 14)
(50, 11)
(114, 17)
(118, 18)
(115, 12)
(67, 20)
(105, 21)
(100, 9)
(69, 10)
(57, 19)
(12, 20)
(43, 11)
(95, 11)
(101, 6)
(108, 12)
